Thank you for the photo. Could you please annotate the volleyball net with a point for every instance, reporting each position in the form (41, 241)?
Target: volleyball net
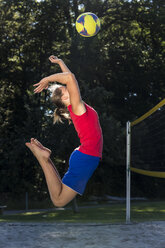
(146, 147)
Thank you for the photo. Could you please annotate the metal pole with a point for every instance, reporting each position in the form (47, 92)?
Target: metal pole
(128, 174)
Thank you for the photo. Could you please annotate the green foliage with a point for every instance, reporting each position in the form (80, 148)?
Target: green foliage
(120, 71)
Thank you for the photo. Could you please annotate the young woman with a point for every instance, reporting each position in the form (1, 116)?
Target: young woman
(84, 159)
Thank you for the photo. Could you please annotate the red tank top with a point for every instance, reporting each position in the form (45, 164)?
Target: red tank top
(89, 131)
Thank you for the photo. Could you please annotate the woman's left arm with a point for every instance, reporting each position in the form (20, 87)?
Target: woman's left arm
(70, 81)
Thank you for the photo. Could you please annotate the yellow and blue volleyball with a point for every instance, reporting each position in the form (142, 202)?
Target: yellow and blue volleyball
(87, 24)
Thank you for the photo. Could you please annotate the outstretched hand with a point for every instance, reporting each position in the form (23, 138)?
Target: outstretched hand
(54, 59)
(43, 84)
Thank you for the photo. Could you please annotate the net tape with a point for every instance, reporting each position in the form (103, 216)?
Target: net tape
(153, 135)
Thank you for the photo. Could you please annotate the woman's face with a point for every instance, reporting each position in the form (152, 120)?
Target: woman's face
(65, 94)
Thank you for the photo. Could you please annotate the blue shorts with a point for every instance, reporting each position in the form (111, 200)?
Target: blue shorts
(81, 168)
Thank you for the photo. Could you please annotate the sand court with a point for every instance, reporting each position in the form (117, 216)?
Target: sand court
(60, 235)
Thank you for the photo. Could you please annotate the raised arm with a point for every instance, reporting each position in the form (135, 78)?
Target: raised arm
(71, 83)
(78, 106)
(55, 60)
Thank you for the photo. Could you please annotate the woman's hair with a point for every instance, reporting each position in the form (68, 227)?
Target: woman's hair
(61, 113)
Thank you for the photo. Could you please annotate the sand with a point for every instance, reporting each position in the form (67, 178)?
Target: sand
(60, 235)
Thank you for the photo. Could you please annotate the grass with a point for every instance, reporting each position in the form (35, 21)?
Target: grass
(115, 213)
(148, 211)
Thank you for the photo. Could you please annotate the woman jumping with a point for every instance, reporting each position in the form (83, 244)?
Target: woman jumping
(84, 159)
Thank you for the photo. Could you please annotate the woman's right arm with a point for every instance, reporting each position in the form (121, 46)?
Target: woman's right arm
(71, 83)
(59, 77)
(60, 62)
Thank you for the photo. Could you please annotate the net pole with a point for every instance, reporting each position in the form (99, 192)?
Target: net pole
(128, 174)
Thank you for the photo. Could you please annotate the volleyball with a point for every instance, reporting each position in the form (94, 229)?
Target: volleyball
(87, 24)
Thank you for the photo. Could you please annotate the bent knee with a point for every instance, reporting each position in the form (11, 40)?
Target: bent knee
(59, 203)
(64, 197)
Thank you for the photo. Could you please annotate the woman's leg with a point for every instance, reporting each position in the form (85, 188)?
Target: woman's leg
(60, 194)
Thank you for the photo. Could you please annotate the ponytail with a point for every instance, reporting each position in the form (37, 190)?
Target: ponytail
(61, 113)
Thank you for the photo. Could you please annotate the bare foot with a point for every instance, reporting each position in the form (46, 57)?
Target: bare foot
(39, 151)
